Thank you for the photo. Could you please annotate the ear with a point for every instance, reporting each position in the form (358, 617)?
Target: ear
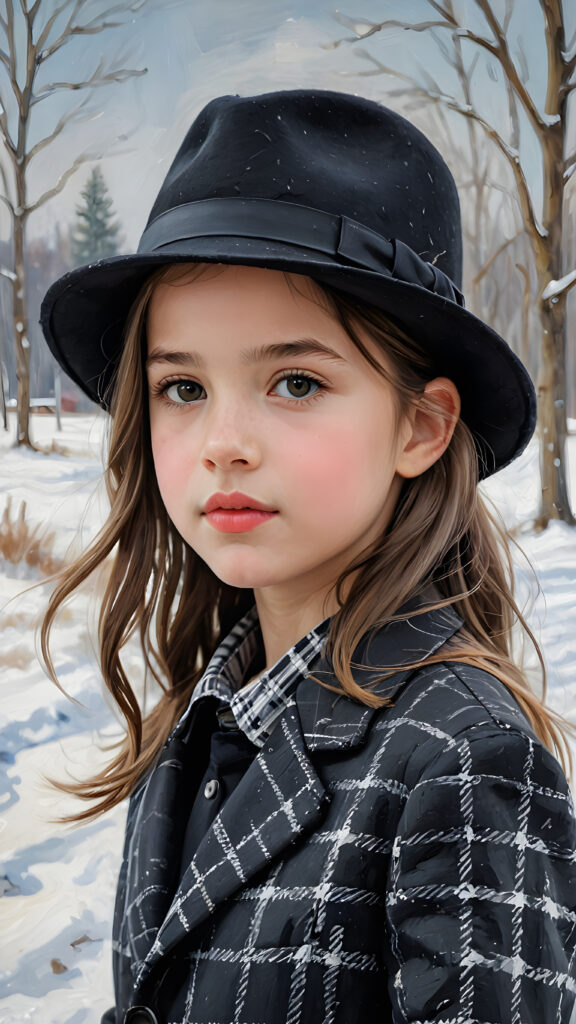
(431, 422)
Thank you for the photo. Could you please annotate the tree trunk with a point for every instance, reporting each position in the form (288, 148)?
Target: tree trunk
(550, 266)
(552, 414)
(21, 342)
(3, 398)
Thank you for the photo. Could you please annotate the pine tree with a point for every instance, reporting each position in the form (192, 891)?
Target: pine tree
(96, 233)
(32, 36)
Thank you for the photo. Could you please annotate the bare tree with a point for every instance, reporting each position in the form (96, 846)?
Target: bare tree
(3, 409)
(545, 230)
(32, 35)
(494, 239)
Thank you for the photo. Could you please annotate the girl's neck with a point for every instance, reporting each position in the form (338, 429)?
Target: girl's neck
(283, 622)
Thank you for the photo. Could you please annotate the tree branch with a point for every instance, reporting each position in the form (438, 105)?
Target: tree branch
(65, 120)
(444, 48)
(45, 33)
(558, 67)
(121, 8)
(67, 32)
(523, 64)
(47, 90)
(34, 9)
(57, 188)
(5, 130)
(508, 15)
(92, 30)
(446, 13)
(95, 81)
(93, 27)
(514, 119)
(4, 197)
(513, 160)
(12, 53)
(511, 155)
(490, 262)
(502, 53)
(499, 49)
(374, 27)
(465, 78)
(379, 69)
(524, 271)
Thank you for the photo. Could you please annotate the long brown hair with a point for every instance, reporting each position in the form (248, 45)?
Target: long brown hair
(159, 589)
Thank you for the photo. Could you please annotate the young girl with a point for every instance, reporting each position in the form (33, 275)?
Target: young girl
(344, 806)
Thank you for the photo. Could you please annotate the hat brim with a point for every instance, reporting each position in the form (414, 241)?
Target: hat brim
(84, 316)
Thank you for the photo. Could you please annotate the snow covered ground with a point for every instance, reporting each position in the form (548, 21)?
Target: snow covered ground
(57, 883)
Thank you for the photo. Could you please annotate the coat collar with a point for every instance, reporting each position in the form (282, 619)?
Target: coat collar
(332, 721)
(281, 797)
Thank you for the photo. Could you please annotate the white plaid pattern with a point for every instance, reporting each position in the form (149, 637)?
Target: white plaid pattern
(412, 865)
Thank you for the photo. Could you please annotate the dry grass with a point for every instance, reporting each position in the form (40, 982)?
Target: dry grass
(15, 620)
(19, 542)
(18, 657)
(26, 619)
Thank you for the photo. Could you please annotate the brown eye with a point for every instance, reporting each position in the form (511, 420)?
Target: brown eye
(183, 391)
(298, 386)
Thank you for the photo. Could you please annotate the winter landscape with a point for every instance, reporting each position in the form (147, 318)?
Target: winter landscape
(105, 102)
(57, 881)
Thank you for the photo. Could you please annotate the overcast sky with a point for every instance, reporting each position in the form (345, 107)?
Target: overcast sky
(195, 50)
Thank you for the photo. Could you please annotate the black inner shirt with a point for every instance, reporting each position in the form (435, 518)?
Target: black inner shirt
(230, 755)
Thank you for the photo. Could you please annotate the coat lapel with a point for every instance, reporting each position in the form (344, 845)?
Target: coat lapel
(151, 856)
(155, 828)
(279, 798)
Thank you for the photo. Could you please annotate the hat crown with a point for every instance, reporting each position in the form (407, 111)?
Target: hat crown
(323, 184)
(334, 152)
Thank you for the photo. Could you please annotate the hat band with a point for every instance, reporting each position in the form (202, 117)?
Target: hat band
(270, 220)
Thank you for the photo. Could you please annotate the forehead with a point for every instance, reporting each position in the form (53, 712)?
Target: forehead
(215, 290)
(243, 307)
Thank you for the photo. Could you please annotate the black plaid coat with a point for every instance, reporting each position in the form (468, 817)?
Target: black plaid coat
(414, 863)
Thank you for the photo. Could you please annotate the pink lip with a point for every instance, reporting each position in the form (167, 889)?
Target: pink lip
(235, 500)
(236, 512)
(230, 520)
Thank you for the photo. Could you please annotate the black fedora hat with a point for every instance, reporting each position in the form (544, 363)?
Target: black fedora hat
(324, 184)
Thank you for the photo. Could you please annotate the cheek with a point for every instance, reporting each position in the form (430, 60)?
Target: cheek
(347, 473)
(169, 463)
(338, 466)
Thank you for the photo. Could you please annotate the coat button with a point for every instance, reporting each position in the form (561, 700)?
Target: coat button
(211, 789)
(140, 1015)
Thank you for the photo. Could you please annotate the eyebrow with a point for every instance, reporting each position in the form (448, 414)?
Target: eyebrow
(257, 354)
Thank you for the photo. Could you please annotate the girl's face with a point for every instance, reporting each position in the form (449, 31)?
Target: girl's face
(259, 399)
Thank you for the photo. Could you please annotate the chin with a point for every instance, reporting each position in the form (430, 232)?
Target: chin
(244, 577)
(243, 581)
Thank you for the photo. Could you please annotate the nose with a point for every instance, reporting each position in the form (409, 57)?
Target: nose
(231, 440)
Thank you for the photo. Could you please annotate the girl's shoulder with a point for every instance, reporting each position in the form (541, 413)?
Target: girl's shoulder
(444, 698)
(437, 719)
(459, 697)
(448, 696)
(462, 715)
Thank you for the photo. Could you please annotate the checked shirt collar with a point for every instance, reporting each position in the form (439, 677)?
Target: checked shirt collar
(256, 707)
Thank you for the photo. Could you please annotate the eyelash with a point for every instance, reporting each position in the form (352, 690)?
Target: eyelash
(160, 390)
